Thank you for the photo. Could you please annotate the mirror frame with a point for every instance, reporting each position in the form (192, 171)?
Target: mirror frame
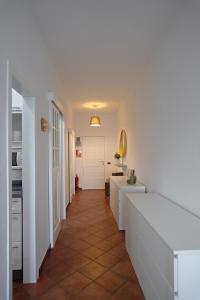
(123, 143)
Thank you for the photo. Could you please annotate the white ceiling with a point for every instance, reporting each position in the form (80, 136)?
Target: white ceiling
(101, 46)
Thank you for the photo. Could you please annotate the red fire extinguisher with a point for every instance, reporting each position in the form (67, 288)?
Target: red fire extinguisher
(76, 182)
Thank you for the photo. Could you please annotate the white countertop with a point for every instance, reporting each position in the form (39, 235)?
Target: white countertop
(179, 229)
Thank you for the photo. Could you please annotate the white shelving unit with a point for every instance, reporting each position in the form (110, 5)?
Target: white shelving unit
(17, 203)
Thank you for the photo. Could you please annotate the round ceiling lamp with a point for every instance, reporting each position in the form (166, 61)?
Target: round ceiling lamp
(95, 120)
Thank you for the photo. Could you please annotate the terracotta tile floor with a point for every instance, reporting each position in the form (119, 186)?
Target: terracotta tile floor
(89, 261)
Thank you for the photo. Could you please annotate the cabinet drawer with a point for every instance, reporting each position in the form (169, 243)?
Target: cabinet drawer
(16, 255)
(145, 280)
(155, 275)
(16, 205)
(162, 256)
(16, 227)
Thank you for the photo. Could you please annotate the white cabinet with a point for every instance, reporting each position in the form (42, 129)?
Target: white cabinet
(16, 255)
(16, 228)
(163, 245)
(16, 205)
(16, 219)
(118, 189)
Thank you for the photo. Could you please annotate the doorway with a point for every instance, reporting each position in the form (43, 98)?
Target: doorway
(93, 162)
(20, 253)
(23, 226)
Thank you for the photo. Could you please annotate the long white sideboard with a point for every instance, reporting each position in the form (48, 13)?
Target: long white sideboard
(163, 242)
(118, 189)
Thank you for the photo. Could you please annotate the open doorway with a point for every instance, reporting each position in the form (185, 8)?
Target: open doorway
(21, 176)
(22, 218)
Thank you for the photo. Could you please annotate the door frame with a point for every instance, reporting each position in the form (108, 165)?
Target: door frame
(30, 269)
(5, 182)
(58, 105)
(95, 136)
(7, 82)
(29, 259)
(71, 160)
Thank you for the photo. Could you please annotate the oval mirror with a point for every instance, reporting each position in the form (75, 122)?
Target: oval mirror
(123, 143)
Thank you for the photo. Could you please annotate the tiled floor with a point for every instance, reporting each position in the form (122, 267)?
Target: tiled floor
(89, 261)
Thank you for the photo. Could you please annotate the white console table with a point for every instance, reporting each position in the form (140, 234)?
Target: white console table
(163, 242)
(118, 189)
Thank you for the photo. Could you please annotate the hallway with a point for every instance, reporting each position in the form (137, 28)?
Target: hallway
(89, 260)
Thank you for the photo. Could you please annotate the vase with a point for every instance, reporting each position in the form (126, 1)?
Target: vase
(121, 161)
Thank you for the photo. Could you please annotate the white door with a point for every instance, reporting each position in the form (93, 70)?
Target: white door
(93, 163)
(55, 203)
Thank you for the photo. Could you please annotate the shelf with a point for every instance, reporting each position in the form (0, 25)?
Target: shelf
(17, 167)
(16, 111)
(17, 143)
(16, 147)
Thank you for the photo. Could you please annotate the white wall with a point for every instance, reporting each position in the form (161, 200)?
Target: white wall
(108, 129)
(162, 118)
(21, 43)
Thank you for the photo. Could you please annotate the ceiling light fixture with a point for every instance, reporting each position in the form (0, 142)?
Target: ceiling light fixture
(95, 120)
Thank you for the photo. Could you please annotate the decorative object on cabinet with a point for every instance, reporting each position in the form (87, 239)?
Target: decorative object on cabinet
(44, 124)
(131, 177)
